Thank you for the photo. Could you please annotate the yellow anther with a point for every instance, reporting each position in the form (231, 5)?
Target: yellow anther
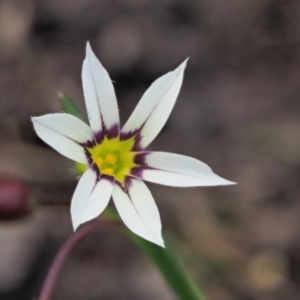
(110, 158)
(99, 161)
(108, 171)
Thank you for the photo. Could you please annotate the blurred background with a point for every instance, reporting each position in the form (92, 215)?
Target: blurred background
(238, 111)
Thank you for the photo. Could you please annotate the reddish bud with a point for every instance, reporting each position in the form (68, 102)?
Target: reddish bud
(14, 198)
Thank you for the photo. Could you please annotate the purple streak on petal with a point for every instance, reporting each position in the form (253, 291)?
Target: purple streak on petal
(113, 131)
(137, 139)
(136, 133)
(99, 135)
(95, 168)
(137, 172)
(140, 158)
(137, 143)
(88, 156)
(88, 144)
(125, 185)
(111, 179)
(127, 135)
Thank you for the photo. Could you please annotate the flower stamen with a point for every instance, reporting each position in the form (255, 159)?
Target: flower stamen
(108, 171)
(111, 158)
(99, 161)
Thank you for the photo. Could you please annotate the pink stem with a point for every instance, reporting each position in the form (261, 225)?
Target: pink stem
(62, 255)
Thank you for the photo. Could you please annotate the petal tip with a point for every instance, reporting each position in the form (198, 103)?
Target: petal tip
(159, 241)
(223, 181)
(91, 56)
(35, 121)
(89, 51)
(88, 46)
(231, 183)
(34, 118)
(75, 225)
(162, 244)
(186, 60)
(184, 63)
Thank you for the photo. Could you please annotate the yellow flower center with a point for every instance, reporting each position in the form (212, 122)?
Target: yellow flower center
(114, 157)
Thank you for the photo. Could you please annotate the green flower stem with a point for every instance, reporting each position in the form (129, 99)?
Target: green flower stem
(170, 267)
(167, 261)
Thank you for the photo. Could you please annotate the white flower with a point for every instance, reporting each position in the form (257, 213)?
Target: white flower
(116, 158)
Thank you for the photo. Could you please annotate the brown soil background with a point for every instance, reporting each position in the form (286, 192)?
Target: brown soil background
(238, 111)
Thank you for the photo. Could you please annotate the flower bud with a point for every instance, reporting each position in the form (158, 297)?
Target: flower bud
(14, 198)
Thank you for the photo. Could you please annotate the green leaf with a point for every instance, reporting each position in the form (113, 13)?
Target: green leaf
(166, 260)
(68, 106)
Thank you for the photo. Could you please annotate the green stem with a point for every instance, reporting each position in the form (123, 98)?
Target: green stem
(173, 272)
(167, 261)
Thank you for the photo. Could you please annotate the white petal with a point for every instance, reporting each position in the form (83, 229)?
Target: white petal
(139, 211)
(99, 93)
(179, 170)
(64, 132)
(154, 108)
(90, 198)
